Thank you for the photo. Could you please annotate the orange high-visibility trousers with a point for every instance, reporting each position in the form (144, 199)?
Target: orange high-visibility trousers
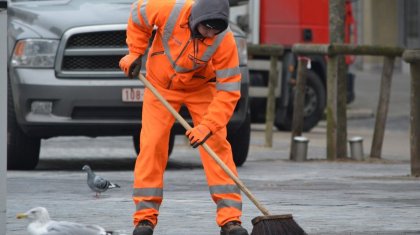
(152, 159)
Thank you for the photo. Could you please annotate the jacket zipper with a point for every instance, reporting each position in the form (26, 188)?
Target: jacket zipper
(182, 51)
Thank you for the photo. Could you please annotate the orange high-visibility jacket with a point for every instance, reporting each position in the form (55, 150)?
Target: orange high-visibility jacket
(180, 59)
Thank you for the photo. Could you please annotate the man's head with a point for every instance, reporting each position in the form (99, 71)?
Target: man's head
(209, 17)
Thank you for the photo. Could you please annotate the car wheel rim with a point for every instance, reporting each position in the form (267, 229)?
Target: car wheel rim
(311, 101)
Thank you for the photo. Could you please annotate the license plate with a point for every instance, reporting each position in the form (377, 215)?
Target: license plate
(132, 94)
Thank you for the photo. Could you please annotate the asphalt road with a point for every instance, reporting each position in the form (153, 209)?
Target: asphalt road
(342, 197)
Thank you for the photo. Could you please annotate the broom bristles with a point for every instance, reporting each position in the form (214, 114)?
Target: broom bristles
(276, 225)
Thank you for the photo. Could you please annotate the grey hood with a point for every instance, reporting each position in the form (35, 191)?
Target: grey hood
(208, 10)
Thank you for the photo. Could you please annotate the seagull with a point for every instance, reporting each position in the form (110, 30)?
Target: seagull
(97, 183)
(41, 224)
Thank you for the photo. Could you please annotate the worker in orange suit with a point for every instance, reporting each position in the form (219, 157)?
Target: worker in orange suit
(192, 61)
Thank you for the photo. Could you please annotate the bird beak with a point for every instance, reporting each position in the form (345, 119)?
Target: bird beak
(21, 216)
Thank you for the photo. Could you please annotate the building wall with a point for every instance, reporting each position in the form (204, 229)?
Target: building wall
(379, 26)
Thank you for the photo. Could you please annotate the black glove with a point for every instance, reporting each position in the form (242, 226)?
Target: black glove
(135, 68)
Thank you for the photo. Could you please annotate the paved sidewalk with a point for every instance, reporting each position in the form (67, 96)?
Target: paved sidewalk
(341, 197)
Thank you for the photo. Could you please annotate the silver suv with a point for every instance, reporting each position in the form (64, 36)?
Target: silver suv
(64, 78)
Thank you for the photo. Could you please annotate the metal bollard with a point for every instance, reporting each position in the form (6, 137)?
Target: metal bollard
(356, 148)
(301, 148)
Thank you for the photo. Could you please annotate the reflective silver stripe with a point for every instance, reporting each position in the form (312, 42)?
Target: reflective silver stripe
(143, 13)
(148, 192)
(223, 189)
(134, 15)
(147, 205)
(229, 203)
(228, 86)
(211, 49)
(169, 28)
(225, 73)
(181, 69)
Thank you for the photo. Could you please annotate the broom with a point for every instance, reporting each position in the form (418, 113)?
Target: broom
(267, 224)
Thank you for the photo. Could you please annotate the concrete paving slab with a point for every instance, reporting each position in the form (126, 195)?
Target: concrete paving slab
(340, 197)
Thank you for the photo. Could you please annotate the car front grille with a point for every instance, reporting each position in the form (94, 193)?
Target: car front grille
(92, 52)
(91, 63)
(111, 39)
(106, 113)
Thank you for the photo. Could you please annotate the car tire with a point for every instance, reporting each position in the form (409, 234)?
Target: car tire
(315, 100)
(239, 141)
(136, 143)
(22, 150)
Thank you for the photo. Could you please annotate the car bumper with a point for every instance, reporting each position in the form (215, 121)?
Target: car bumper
(85, 106)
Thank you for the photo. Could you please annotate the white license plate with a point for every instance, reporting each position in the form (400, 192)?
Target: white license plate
(132, 94)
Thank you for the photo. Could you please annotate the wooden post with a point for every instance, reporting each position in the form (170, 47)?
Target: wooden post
(413, 57)
(382, 110)
(298, 103)
(271, 102)
(415, 118)
(275, 52)
(337, 124)
(341, 108)
(332, 108)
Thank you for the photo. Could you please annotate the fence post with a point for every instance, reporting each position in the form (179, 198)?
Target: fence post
(298, 103)
(413, 57)
(341, 108)
(271, 101)
(332, 108)
(338, 126)
(275, 52)
(383, 104)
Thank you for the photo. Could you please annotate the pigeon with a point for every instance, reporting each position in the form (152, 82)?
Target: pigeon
(41, 224)
(97, 183)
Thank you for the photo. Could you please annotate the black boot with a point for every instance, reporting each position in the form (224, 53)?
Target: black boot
(144, 227)
(233, 228)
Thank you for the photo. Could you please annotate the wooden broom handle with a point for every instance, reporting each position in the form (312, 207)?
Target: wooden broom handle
(210, 151)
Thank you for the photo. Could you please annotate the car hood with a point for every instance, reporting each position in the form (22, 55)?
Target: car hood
(52, 18)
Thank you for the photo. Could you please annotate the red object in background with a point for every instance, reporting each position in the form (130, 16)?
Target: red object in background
(350, 30)
(288, 22)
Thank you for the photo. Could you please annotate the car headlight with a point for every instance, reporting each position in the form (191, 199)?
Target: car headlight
(241, 43)
(35, 53)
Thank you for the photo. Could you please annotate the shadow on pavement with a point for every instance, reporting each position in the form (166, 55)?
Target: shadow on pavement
(104, 164)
